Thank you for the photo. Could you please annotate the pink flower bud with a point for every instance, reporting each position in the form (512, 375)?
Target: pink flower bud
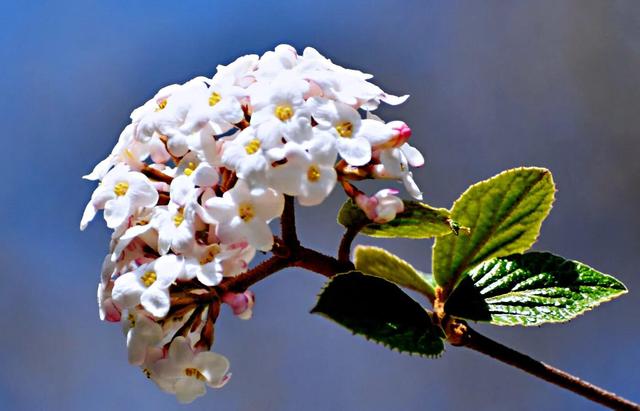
(241, 303)
(382, 207)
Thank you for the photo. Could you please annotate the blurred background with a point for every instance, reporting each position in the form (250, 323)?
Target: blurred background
(493, 85)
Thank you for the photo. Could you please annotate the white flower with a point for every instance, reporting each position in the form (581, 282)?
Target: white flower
(280, 111)
(247, 155)
(309, 171)
(142, 333)
(175, 223)
(121, 193)
(199, 173)
(187, 373)
(355, 136)
(241, 213)
(131, 152)
(148, 285)
(217, 104)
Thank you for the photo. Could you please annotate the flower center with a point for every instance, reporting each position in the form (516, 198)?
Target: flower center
(146, 372)
(246, 212)
(121, 188)
(252, 146)
(284, 112)
(210, 255)
(190, 167)
(162, 104)
(214, 98)
(149, 278)
(313, 173)
(132, 320)
(194, 373)
(179, 217)
(345, 129)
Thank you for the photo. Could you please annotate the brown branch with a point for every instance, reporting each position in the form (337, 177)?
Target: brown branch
(243, 281)
(155, 174)
(493, 349)
(344, 250)
(288, 224)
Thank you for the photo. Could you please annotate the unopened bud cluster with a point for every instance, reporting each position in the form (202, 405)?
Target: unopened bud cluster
(195, 178)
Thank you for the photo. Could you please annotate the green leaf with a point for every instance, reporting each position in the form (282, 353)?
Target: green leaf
(381, 263)
(418, 220)
(531, 289)
(380, 311)
(504, 214)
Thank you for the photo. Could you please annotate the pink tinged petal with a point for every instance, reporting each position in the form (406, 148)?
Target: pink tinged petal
(127, 290)
(205, 176)
(230, 231)
(141, 191)
(355, 151)
(411, 186)
(268, 205)
(87, 216)
(414, 157)
(213, 366)
(375, 132)
(259, 234)
(156, 301)
(100, 169)
(177, 145)
(188, 389)
(394, 100)
(220, 209)
(180, 351)
(315, 192)
(117, 211)
(210, 274)
(136, 349)
(181, 190)
(167, 269)
(131, 234)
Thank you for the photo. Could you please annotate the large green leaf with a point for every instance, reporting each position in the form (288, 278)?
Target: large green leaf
(381, 263)
(530, 289)
(418, 220)
(504, 214)
(380, 311)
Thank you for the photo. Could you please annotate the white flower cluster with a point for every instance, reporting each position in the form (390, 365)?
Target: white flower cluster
(201, 170)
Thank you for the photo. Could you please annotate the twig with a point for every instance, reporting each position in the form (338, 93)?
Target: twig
(480, 343)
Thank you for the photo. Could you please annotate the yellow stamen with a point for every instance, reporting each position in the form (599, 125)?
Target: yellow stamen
(149, 278)
(132, 320)
(162, 104)
(121, 188)
(313, 173)
(284, 112)
(146, 372)
(210, 255)
(252, 146)
(195, 373)
(179, 217)
(246, 212)
(214, 98)
(190, 168)
(345, 129)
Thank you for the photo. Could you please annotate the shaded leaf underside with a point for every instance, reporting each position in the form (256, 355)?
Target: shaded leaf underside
(380, 311)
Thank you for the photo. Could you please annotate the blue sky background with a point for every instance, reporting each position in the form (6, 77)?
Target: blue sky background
(493, 84)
